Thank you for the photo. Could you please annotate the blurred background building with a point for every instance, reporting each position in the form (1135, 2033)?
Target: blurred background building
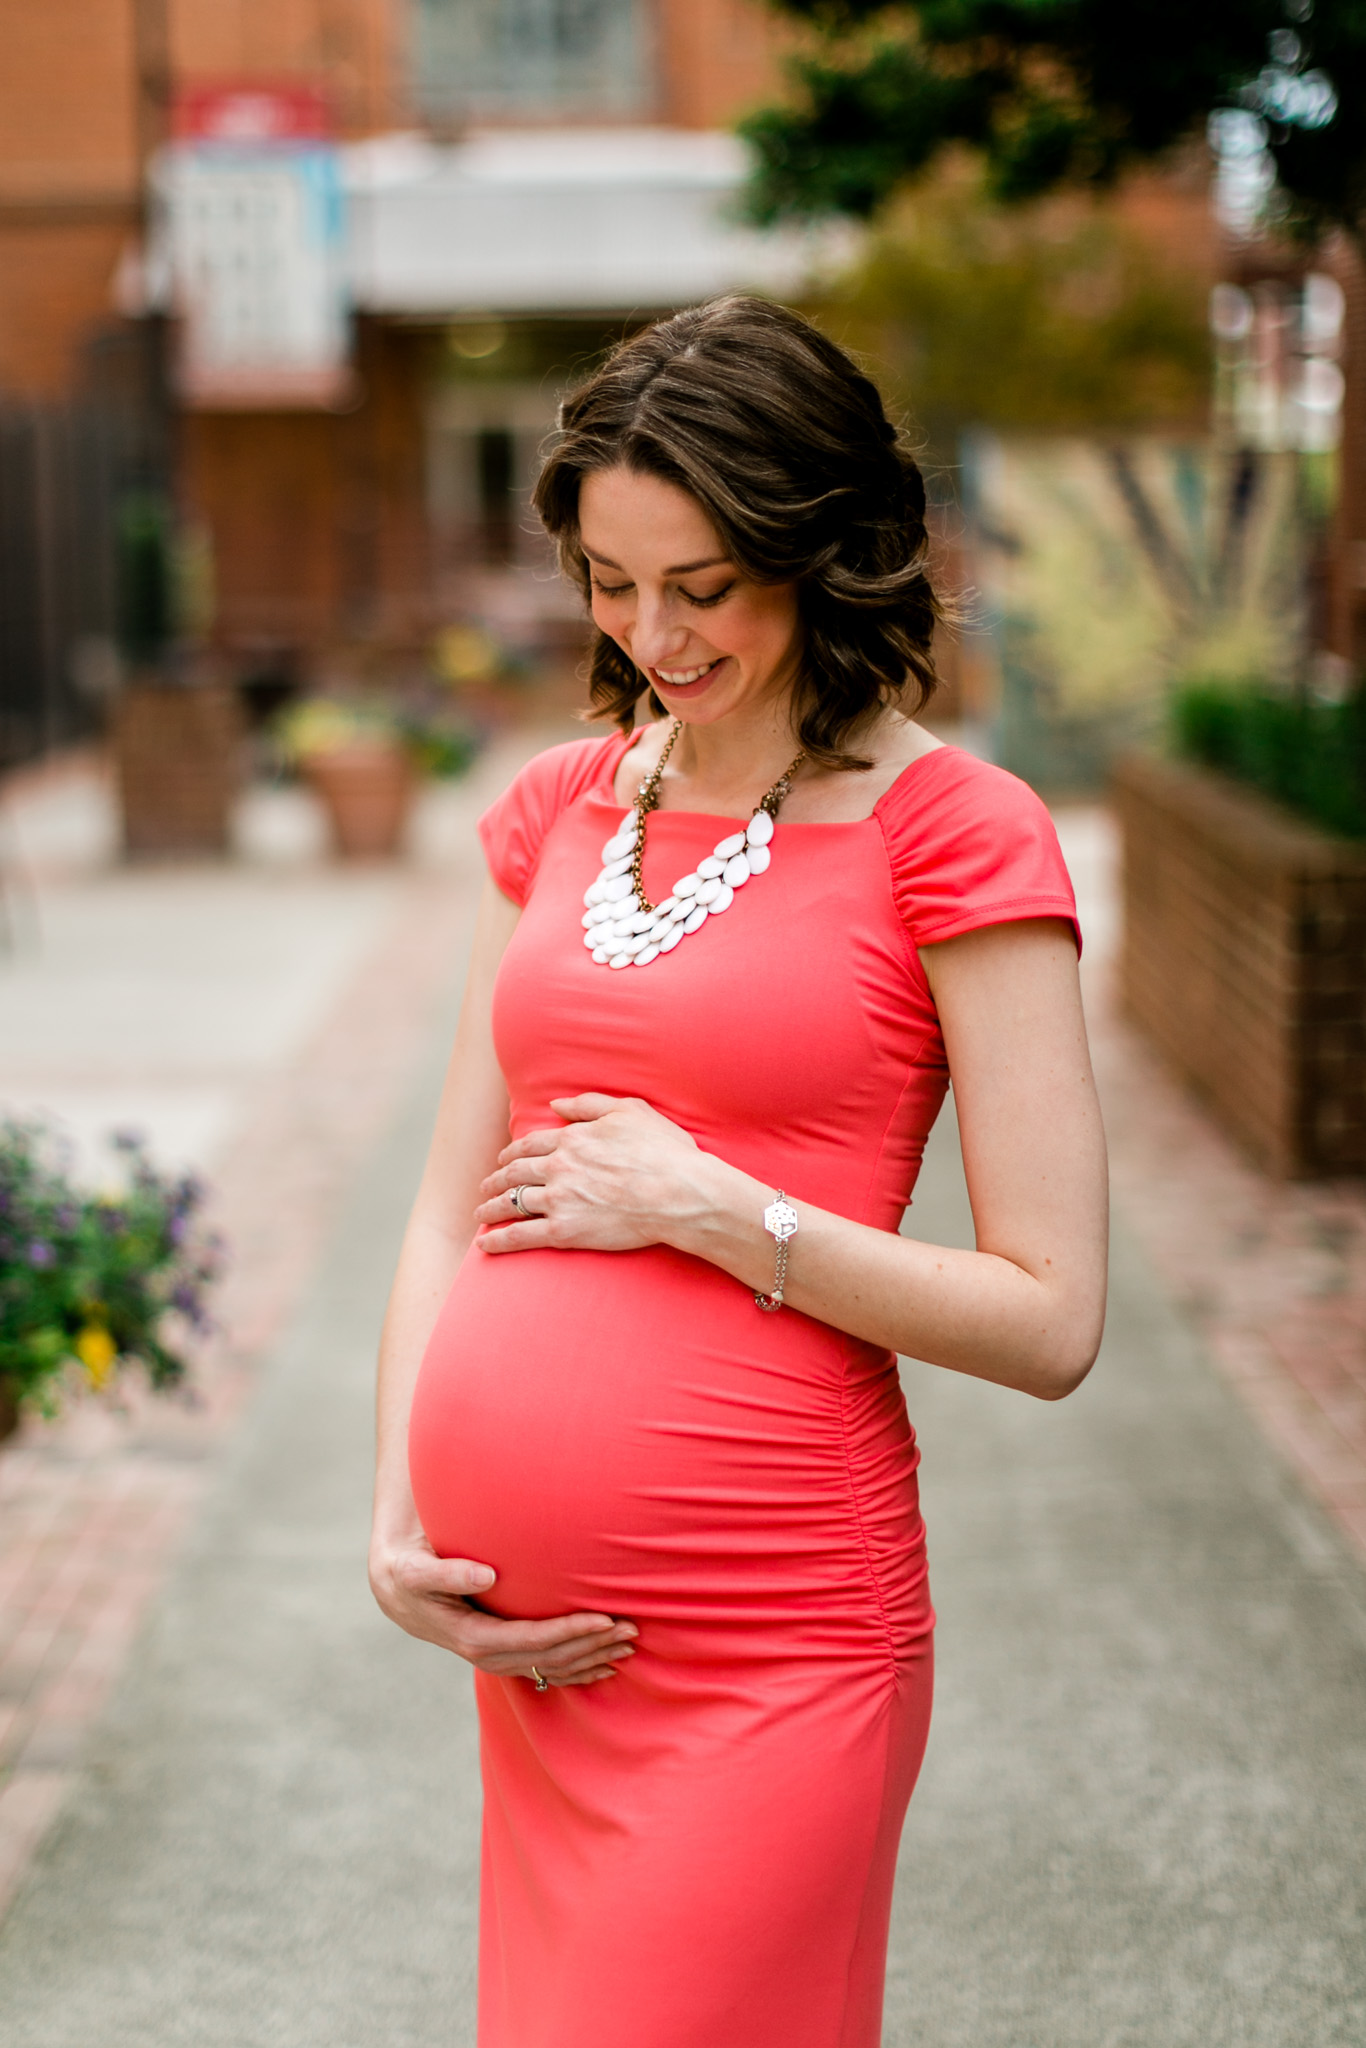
(288, 290)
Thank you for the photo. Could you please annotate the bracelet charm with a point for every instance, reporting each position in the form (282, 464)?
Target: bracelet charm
(780, 1221)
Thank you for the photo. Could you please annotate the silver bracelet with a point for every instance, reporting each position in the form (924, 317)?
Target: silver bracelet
(780, 1221)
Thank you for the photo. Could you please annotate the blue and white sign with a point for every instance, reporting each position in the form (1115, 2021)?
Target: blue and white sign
(255, 238)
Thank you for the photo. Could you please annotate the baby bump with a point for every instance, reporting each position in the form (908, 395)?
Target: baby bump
(628, 1431)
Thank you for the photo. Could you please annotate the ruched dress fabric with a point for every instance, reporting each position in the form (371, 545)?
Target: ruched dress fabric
(699, 1853)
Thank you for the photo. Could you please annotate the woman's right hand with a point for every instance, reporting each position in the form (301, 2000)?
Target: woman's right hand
(430, 1596)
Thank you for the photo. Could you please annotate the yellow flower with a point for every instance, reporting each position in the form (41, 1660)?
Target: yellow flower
(97, 1352)
(465, 654)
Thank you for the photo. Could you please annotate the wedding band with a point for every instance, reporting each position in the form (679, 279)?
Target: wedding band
(515, 1195)
(542, 1684)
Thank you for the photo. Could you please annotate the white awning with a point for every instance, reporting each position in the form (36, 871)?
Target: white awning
(560, 221)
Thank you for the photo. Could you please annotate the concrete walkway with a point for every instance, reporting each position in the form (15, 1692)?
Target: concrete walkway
(1140, 1821)
(275, 1842)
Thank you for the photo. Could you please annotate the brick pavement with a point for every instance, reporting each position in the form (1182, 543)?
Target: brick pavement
(1272, 1273)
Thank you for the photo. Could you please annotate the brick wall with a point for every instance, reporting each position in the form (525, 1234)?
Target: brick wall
(717, 59)
(1345, 622)
(1244, 959)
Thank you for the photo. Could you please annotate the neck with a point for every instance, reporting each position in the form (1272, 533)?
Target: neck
(736, 759)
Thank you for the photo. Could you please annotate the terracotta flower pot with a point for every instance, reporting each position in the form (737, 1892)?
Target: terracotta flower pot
(367, 791)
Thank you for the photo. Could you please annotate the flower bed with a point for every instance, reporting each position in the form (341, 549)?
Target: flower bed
(92, 1285)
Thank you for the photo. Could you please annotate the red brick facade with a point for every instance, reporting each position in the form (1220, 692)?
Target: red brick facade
(316, 522)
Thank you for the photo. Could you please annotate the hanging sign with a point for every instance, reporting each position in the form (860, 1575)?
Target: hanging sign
(251, 188)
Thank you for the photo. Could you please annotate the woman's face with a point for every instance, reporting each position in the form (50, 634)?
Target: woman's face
(665, 590)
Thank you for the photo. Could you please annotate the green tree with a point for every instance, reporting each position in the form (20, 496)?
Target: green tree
(1055, 92)
(1054, 316)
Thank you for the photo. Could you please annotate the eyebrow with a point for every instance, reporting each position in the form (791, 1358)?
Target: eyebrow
(678, 569)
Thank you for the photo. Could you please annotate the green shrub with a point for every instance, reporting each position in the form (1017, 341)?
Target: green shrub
(1309, 756)
(98, 1281)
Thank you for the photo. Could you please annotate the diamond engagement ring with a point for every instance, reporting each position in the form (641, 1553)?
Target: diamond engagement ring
(542, 1684)
(516, 1196)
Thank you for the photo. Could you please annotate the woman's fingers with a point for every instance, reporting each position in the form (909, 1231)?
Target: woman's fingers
(537, 1639)
(430, 1596)
(498, 1236)
(575, 1109)
(450, 1578)
(511, 1197)
(578, 1109)
(534, 1145)
(593, 1660)
(563, 1650)
(518, 1173)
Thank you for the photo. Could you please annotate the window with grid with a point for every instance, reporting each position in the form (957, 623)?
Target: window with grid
(531, 57)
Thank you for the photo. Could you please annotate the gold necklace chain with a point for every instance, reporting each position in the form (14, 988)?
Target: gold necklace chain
(647, 800)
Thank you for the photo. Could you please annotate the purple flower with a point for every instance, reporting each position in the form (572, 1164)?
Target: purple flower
(40, 1254)
(66, 1218)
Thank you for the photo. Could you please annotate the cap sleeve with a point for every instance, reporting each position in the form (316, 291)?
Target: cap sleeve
(513, 829)
(970, 845)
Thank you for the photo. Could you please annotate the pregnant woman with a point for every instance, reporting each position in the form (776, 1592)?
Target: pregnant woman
(644, 1459)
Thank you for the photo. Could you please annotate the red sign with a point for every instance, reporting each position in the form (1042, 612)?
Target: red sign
(253, 113)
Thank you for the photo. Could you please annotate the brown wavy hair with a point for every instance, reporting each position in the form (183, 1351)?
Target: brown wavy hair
(784, 443)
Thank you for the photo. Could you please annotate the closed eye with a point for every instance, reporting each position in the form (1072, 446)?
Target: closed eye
(610, 589)
(705, 603)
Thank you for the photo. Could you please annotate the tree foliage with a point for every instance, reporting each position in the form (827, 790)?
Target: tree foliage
(1055, 316)
(1056, 92)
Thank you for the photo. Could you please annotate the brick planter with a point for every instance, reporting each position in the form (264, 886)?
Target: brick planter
(178, 754)
(1245, 961)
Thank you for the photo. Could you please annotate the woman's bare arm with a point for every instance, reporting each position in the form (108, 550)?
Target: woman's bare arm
(1025, 1309)
(424, 1594)
(471, 1127)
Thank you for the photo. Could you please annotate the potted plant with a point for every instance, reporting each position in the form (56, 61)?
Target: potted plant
(94, 1284)
(176, 731)
(362, 758)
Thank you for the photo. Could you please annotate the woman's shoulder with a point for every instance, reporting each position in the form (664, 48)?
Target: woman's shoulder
(514, 827)
(559, 775)
(969, 844)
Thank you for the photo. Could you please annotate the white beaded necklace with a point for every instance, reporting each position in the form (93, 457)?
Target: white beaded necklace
(622, 928)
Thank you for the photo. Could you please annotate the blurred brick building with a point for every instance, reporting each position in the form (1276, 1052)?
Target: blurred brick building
(518, 179)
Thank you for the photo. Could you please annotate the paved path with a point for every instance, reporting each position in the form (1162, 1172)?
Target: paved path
(261, 1020)
(1141, 1816)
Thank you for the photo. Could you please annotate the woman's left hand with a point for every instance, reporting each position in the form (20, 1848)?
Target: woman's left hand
(616, 1176)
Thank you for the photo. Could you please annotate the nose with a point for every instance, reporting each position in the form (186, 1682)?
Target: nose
(659, 636)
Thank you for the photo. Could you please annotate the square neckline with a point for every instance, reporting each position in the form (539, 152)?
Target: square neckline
(609, 796)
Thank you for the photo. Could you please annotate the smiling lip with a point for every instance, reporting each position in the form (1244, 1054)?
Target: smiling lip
(687, 689)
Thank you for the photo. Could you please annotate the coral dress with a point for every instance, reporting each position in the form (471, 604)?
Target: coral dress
(699, 1853)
